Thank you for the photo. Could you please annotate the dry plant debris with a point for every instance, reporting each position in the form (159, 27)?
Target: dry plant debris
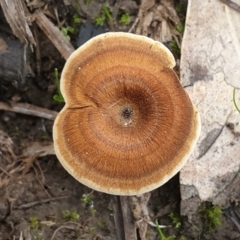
(17, 14)
(14, 167)
(20, 19)
(157, 20)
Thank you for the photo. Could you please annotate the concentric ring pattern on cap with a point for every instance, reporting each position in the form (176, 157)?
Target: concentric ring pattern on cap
(128, 125)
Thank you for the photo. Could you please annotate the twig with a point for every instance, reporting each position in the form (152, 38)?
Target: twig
(55, 232)
(28, 109)
(134, 25)
(37, 52)
(31, 204)
(5, 172)
(64, 226)
(54, 34)
(40, 148)
(20, 237)
(231, 4)
(41, 182)
(128, 220)
(118, 218)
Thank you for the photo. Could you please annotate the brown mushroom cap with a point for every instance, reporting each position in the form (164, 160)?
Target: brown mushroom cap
(128, 125)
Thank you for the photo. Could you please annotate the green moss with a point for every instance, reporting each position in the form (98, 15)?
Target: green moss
(125, 18)
(99, 20)
(76, 18)
(211, 216)
(70, 215)
(34, 223)
(175, 220)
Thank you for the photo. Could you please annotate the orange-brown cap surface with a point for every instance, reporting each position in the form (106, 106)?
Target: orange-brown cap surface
(128, 125)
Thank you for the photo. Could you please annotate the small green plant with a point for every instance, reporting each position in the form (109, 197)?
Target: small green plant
(212, 216)
(66, 30)
(100, 224)
(45, 136)
(57, 97)
(99, 20)
(88, 1)
(180, 27)
(182, 238)
(91, 209)
(161, 234)
(92, 230)
(76, 19)
(34, 223)
(175, 48)
(179, 8)
(35, 237)
(70, 215)
(234, 100)
(125, 18)
(106, 11)
(87, 199)
(175, 219)
(105, 15)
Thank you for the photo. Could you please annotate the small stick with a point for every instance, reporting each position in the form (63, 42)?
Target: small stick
(28, 109)
(65, 226)
(128, 219)
(31, 204)
(134, 25)
(118, 218)
(231, 4)
(5, 172)
(54, 34)
(61, 227)
(37, 52)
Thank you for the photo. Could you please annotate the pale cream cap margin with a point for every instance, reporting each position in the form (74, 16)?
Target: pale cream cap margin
(197, 122)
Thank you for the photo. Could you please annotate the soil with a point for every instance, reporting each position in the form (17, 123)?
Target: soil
(38, 198)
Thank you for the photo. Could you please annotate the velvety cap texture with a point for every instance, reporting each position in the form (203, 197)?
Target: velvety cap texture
(128, 125)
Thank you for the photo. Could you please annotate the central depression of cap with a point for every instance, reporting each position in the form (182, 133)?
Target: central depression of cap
(127, 125)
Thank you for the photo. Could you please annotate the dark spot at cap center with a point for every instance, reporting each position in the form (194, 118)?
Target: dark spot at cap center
(127, 113)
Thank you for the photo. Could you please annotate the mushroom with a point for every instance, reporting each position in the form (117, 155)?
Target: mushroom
(128, 126)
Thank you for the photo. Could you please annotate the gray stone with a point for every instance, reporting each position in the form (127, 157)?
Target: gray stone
(210, 70)
(190, 206)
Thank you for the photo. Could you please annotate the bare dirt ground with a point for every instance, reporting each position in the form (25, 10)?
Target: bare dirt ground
(38, 199)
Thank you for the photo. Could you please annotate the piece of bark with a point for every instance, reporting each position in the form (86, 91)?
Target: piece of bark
(16, 14)
(14, 60)
(54, 34)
